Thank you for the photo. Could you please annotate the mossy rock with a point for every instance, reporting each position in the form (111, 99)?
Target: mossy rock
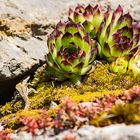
(94, 85)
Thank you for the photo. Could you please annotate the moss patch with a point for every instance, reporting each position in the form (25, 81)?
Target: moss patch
(94, 85)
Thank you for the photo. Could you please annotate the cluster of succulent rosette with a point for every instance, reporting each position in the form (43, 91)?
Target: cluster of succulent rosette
(89, 32)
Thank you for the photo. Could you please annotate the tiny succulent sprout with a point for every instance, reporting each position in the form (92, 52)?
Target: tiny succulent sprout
(90, 17)
(134, 63)
(118, 36)
(71, 52)
(120, 65)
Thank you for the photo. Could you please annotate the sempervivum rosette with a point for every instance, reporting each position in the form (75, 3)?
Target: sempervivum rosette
(117, 36)
(90, 17)
(125, 62)
(71, 52)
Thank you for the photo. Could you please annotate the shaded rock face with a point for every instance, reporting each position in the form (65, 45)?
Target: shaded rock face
(24, 26)
(38, 10)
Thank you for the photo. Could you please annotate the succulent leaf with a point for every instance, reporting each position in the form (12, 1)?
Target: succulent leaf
(134, 63)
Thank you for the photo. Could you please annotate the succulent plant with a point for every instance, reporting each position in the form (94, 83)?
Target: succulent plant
(90, 17)
(120, 65)
(118, 35)
(71, 52)
(134, 63)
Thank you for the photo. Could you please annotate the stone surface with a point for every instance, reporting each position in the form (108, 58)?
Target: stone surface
(37, 10)
(112, 132)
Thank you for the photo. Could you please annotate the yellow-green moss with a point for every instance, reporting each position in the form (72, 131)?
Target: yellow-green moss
(102, 78)
(39, 100)
(122, 113)
(94, 85)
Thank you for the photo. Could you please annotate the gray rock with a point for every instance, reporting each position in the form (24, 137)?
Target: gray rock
(18, 56)
(38, 10)
(112, 132)
(22, 136)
